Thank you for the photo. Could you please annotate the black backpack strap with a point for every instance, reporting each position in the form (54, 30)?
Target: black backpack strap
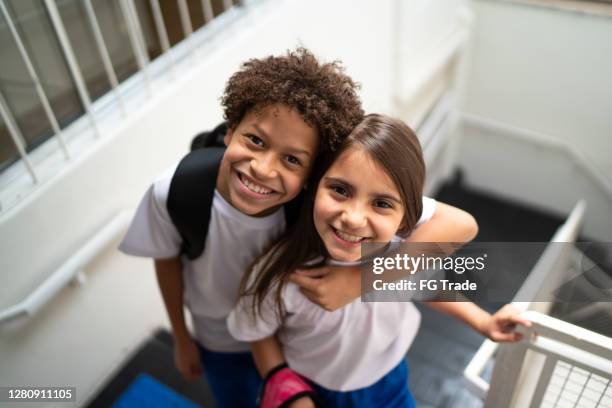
(191, 195)
(210, 138)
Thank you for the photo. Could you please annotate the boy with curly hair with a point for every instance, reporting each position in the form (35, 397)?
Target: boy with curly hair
(282, 113)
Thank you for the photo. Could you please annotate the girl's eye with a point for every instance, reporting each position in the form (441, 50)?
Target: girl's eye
(382, 204)
(293, 160)
(255, 140)
(339, 190)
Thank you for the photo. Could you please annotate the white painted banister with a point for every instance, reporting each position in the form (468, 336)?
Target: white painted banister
(538, 277)
(70, 270)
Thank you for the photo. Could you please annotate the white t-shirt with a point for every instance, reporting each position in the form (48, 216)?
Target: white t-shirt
(344, 350)
(211, 281)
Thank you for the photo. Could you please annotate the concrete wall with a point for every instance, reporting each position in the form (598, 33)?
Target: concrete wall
(540, 79)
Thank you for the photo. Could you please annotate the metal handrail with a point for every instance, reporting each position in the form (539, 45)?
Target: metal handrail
(565, 233)
(69, 271)
(523, 379)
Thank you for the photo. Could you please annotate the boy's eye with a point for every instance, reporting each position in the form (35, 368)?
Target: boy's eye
(293, 160)
(383, 204)
(255, 140)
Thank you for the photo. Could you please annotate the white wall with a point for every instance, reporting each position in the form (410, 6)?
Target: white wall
(84, 333)
(547, 72)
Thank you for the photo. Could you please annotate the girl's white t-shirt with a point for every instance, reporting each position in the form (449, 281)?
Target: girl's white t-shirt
(344, 350)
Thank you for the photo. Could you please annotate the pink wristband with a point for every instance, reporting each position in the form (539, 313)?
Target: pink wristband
(283, 386)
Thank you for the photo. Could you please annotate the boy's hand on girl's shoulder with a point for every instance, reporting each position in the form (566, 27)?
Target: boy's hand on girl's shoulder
(187, 359)
(501, 326)
(330, 287)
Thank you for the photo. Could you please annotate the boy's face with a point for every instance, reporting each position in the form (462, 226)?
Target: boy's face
(268, 158)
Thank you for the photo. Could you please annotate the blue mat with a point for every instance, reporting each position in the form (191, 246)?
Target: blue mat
(146, 391)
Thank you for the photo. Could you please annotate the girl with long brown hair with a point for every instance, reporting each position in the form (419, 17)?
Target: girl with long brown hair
(369, 191)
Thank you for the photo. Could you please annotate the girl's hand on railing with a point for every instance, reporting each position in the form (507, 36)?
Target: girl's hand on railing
(501, 326)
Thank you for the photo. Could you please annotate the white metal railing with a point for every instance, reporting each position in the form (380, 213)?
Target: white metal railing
(77, 76)
(557, 364)
(547, 273)
(103, 51)
(35, 80)
(72, 269)
(129, 14)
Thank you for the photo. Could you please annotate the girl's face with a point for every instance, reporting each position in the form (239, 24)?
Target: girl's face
(356, 202)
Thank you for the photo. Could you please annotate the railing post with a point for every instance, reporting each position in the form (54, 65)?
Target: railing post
(58, 25)
(103, 51)
(36, 80)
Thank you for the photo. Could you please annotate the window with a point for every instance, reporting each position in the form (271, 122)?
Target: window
(110, 40)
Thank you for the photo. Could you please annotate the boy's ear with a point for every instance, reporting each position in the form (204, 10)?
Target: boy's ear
(228, 136)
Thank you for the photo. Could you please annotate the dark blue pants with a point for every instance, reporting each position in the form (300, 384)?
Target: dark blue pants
(232, 377)
(391, 391)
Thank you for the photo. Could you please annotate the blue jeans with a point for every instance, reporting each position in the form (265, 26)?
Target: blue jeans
(232, 377)
(391, 391)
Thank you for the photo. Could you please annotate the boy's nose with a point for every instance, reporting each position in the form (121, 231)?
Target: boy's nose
(263, 168)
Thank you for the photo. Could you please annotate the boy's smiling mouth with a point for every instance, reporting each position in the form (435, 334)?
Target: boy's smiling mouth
(253, 187)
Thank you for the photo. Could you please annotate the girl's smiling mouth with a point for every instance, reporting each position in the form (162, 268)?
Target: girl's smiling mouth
(347, 239)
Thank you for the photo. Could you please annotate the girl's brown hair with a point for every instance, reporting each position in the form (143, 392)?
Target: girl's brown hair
(392, 145)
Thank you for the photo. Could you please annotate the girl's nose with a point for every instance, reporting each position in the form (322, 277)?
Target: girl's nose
(354, 217)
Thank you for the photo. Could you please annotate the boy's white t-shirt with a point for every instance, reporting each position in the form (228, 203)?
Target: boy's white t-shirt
(211, 282)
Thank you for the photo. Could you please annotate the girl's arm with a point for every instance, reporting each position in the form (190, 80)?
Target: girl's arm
(332, 287)
(497, 327)
(447, 224)
(280, 382)
(267, 354)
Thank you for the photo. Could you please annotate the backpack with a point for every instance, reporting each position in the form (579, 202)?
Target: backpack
(192, 189)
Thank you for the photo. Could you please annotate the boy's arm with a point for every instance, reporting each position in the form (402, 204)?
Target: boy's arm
(170, 279)
(448, 224)
(497, 327)
(332, 287)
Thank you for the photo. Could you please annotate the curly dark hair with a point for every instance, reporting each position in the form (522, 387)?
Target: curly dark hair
(324, 96)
